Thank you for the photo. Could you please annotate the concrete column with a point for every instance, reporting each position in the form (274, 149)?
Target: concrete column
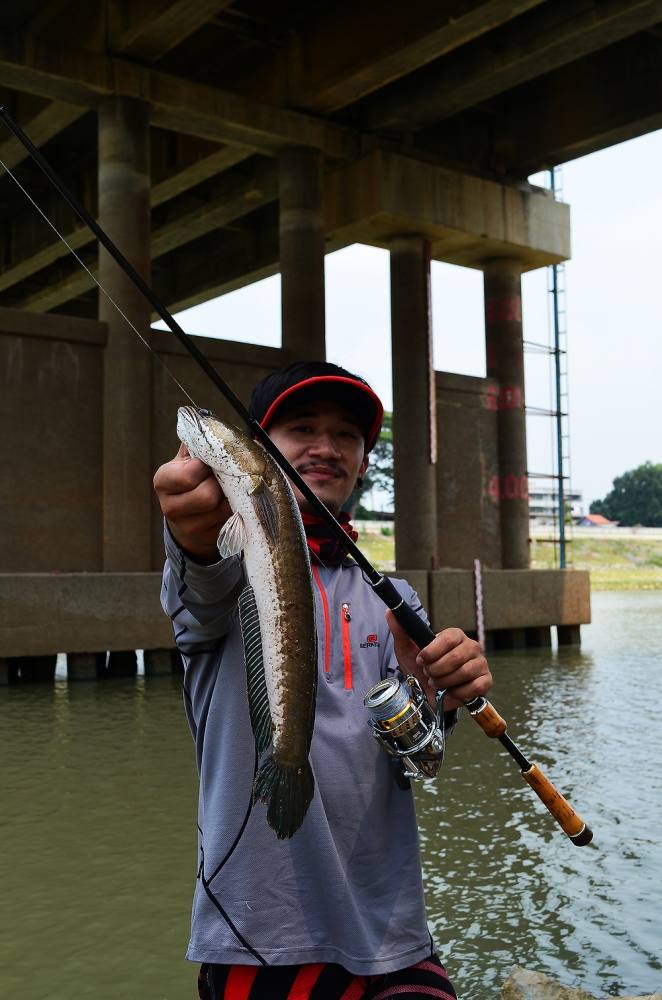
(414, 406)
(505, 362)
(121, 663)
(161, 661)
(301, 236)
(85, 666)
(6, 672)
(568, 635)
(124, 181)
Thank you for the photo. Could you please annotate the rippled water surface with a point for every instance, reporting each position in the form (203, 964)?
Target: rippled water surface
(97, 823)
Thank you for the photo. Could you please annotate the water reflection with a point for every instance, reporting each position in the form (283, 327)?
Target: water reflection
(98, 819)
(505, 886)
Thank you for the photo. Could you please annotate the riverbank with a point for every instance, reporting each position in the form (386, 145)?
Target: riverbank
(618, 559)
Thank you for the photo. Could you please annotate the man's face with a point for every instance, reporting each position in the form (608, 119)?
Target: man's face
(325, 444)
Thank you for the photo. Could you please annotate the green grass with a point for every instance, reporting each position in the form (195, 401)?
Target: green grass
(614, 564)
(379, 549)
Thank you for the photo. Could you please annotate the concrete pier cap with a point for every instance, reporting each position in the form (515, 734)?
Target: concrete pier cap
(466, 219)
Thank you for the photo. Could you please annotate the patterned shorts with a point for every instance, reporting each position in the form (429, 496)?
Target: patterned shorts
(322, 982)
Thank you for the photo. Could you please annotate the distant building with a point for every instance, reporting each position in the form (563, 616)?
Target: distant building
(544, 505)
(596, 521)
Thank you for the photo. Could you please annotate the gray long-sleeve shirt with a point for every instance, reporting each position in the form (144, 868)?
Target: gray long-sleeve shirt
(347, 887)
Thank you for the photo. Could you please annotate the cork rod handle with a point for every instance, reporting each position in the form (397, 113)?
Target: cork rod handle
(570, 822)
(495, 727)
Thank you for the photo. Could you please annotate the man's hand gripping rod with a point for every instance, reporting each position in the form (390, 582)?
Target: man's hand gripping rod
(480, 709)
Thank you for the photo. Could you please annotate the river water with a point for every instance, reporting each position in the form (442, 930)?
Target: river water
(97, 821)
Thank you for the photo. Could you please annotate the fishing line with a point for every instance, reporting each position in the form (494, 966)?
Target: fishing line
(97, 282)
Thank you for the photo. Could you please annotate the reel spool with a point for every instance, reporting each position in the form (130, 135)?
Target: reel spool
(406, 726)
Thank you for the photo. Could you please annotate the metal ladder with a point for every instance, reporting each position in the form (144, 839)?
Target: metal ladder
(557, 349)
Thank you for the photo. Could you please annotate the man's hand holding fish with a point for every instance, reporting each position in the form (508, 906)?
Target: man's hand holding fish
(281, 638)
(193, 503)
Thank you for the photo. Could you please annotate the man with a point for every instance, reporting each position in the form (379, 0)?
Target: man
(338, 910)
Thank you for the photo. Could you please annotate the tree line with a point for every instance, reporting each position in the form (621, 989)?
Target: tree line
(635, 498)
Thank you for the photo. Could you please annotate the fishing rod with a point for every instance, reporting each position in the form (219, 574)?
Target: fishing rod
(481, 710)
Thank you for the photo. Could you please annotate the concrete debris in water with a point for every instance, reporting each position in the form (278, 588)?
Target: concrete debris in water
(523, 984)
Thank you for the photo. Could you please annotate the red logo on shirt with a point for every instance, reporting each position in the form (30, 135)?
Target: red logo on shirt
(370, 640)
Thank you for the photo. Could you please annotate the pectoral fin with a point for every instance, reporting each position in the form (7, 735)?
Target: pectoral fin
(232, 537)
(258, 701)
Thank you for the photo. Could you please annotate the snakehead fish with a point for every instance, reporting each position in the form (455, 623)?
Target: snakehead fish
(276, 609)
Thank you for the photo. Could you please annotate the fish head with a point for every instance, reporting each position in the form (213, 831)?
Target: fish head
(221, 446)
(193, 430)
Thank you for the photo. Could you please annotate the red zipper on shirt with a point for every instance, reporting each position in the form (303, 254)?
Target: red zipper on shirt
(327, 622)
(346, 618)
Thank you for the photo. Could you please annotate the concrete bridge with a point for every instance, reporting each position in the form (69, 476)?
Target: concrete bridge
(219, 142)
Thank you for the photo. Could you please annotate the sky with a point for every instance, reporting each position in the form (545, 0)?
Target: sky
(613, 317)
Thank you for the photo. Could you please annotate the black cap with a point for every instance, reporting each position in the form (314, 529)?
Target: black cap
(307, 380)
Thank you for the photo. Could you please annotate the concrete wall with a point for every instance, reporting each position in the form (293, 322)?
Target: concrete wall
(50, 445)
(467, 468)
(51, 441)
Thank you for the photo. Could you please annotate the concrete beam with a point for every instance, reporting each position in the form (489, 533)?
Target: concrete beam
(42, 126)
(198, 162)
(466, 219)
(213, 267)
(536, 43)
(583, 108)
(152, 29)
(71, 329)
(233, 197)
(87, 78)
(354, 49)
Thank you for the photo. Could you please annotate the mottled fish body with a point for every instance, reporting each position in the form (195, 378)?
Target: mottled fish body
(276, 609)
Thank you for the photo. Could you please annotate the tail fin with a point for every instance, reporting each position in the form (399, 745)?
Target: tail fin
(288, 791)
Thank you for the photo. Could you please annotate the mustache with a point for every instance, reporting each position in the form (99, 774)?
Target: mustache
(330, 466)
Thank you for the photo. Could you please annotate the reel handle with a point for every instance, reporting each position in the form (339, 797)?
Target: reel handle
(495, 727)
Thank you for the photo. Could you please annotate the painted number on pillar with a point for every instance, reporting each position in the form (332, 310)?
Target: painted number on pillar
(509, 487)
(507, 308)
(505, 397)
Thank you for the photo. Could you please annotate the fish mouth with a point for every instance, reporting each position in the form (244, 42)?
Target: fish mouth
(192, 415)
(188, 420)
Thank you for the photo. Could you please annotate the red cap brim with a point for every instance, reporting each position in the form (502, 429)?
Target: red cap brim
(372, 430)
